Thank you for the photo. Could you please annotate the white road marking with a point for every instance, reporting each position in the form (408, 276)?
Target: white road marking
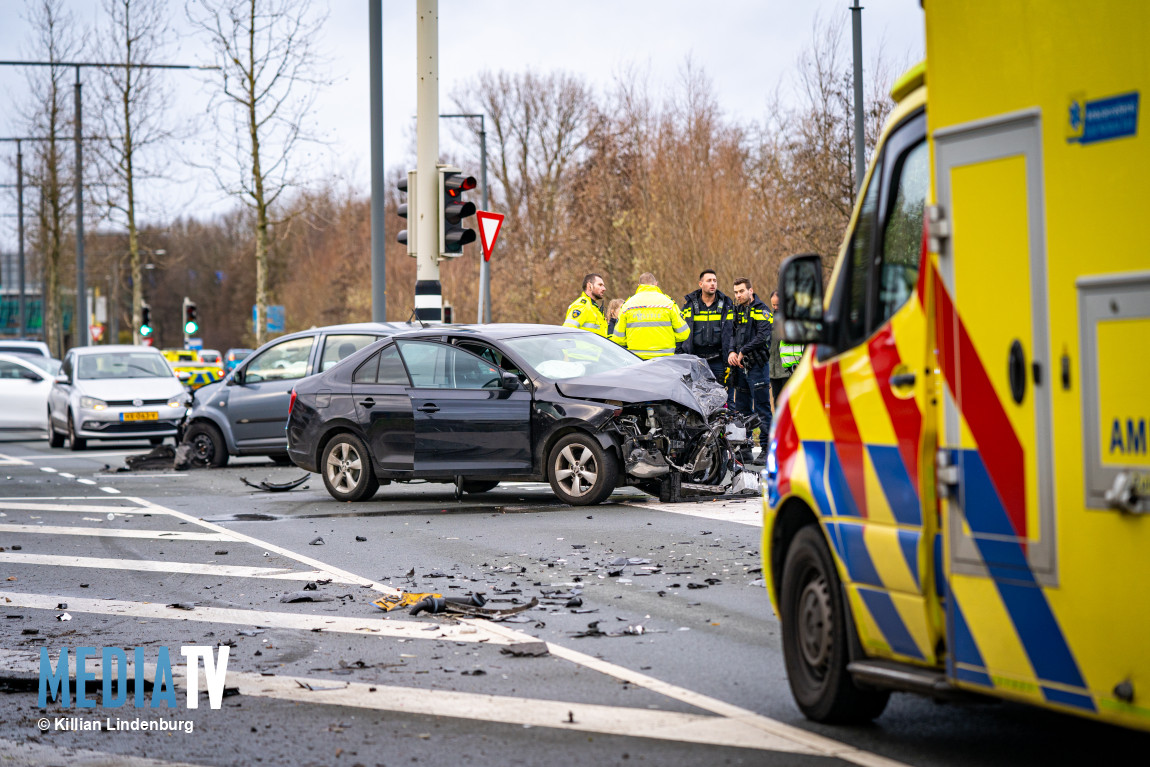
(11, 460)
(33, 753)
(48, 469)
(24, 506)
(125, 475)
(534, 712)
(155, 535)
(83, 481)
(110, 490)
(66, 474)
(265, 618)
(88, 456)
(147, 565)
(742, 512)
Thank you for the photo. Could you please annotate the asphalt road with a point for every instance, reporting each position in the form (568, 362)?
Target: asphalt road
(672, 658)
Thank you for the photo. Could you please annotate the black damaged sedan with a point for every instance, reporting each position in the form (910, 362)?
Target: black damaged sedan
(477, 405)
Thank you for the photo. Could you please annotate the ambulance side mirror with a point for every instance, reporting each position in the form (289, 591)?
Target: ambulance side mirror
(801, 299)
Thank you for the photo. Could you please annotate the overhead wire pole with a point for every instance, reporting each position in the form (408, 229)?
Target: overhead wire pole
(860, 139)
(428, 290)
(483, 312)
(81, 288)
(378, 190)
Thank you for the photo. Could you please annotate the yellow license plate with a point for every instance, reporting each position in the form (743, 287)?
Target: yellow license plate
(149, 416)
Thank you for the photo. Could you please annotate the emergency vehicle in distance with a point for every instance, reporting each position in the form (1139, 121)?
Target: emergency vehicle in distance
(958, 488)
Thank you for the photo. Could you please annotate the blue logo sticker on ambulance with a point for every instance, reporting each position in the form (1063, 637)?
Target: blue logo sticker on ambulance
(1102, 119)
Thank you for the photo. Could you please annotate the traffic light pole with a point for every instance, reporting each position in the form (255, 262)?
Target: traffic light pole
(428, 291)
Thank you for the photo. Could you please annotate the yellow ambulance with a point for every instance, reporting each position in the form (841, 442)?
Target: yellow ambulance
(957, 494)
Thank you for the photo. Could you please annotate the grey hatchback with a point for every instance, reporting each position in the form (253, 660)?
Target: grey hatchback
(246, 413)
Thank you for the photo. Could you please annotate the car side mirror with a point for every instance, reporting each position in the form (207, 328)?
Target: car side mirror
(184, 376)
(801, 299)
(62, 378)
(32, 376)
(237, 377)
(509, 381)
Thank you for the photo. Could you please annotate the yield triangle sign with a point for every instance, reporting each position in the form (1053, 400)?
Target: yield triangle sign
(489, 226)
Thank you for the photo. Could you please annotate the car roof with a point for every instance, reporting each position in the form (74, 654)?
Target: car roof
(111, 348)
(38, 346)
(493, 331)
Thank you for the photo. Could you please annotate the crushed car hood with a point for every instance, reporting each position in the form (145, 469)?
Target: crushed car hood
(682, 378)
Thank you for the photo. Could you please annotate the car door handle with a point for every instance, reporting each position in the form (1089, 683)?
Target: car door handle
(369, 402)
(430, 407)
(902, 379)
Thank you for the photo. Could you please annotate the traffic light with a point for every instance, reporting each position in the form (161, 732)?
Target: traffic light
(453, 210)
(407, 211)
(191, 324)
(145, 320)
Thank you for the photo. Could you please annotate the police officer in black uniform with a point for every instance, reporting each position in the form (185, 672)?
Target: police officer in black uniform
(711, 317)
(749, 358)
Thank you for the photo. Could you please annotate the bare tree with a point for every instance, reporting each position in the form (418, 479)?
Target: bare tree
(267, 63)
(132, 104)
(48, 116)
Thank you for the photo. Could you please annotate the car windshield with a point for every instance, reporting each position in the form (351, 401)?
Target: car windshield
(46, 364)
(571, 354)
(123, 365)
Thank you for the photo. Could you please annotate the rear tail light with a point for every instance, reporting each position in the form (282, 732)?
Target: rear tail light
(291, 402)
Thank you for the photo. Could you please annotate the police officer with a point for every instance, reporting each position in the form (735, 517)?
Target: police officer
(710, 315)
(650, 324)
(748, 359)
(584, 312)
(784, 356)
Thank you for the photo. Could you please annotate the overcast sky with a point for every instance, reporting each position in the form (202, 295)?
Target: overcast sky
(747, 48)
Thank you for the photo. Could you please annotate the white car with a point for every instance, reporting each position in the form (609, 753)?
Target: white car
(115, 393)
(24, 347)
(24, 391)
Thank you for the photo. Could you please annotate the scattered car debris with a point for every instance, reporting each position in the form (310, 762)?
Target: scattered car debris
(474, 605)
(305, 596)
(183, 605)
(30, 631)
(310, 586)
(159, 457)
(593, 630)
(250, 632)
(63, 617)
(221, 553)
(360, 538)
(574, 602)
(526, 649)
(277, 487)
(316, 542)
(62, 606)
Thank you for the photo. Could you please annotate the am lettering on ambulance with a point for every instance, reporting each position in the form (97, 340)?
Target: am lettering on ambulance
(91, 664)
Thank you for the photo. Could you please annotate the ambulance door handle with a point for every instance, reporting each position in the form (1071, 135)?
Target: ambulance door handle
(899, 380)
(1016, 372)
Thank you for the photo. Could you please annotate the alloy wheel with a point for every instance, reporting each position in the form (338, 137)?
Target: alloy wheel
(576, 474)
(344, 467)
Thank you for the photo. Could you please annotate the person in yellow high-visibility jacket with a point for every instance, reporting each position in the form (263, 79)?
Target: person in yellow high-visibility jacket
(585, 312)
(650, 323)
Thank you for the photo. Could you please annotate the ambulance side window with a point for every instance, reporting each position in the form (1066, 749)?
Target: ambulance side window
(902, 235)
(859, 259)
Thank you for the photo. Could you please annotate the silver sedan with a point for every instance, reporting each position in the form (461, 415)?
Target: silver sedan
(114, 393)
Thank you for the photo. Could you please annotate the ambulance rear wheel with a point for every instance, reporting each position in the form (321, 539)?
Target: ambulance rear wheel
(815, 637)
